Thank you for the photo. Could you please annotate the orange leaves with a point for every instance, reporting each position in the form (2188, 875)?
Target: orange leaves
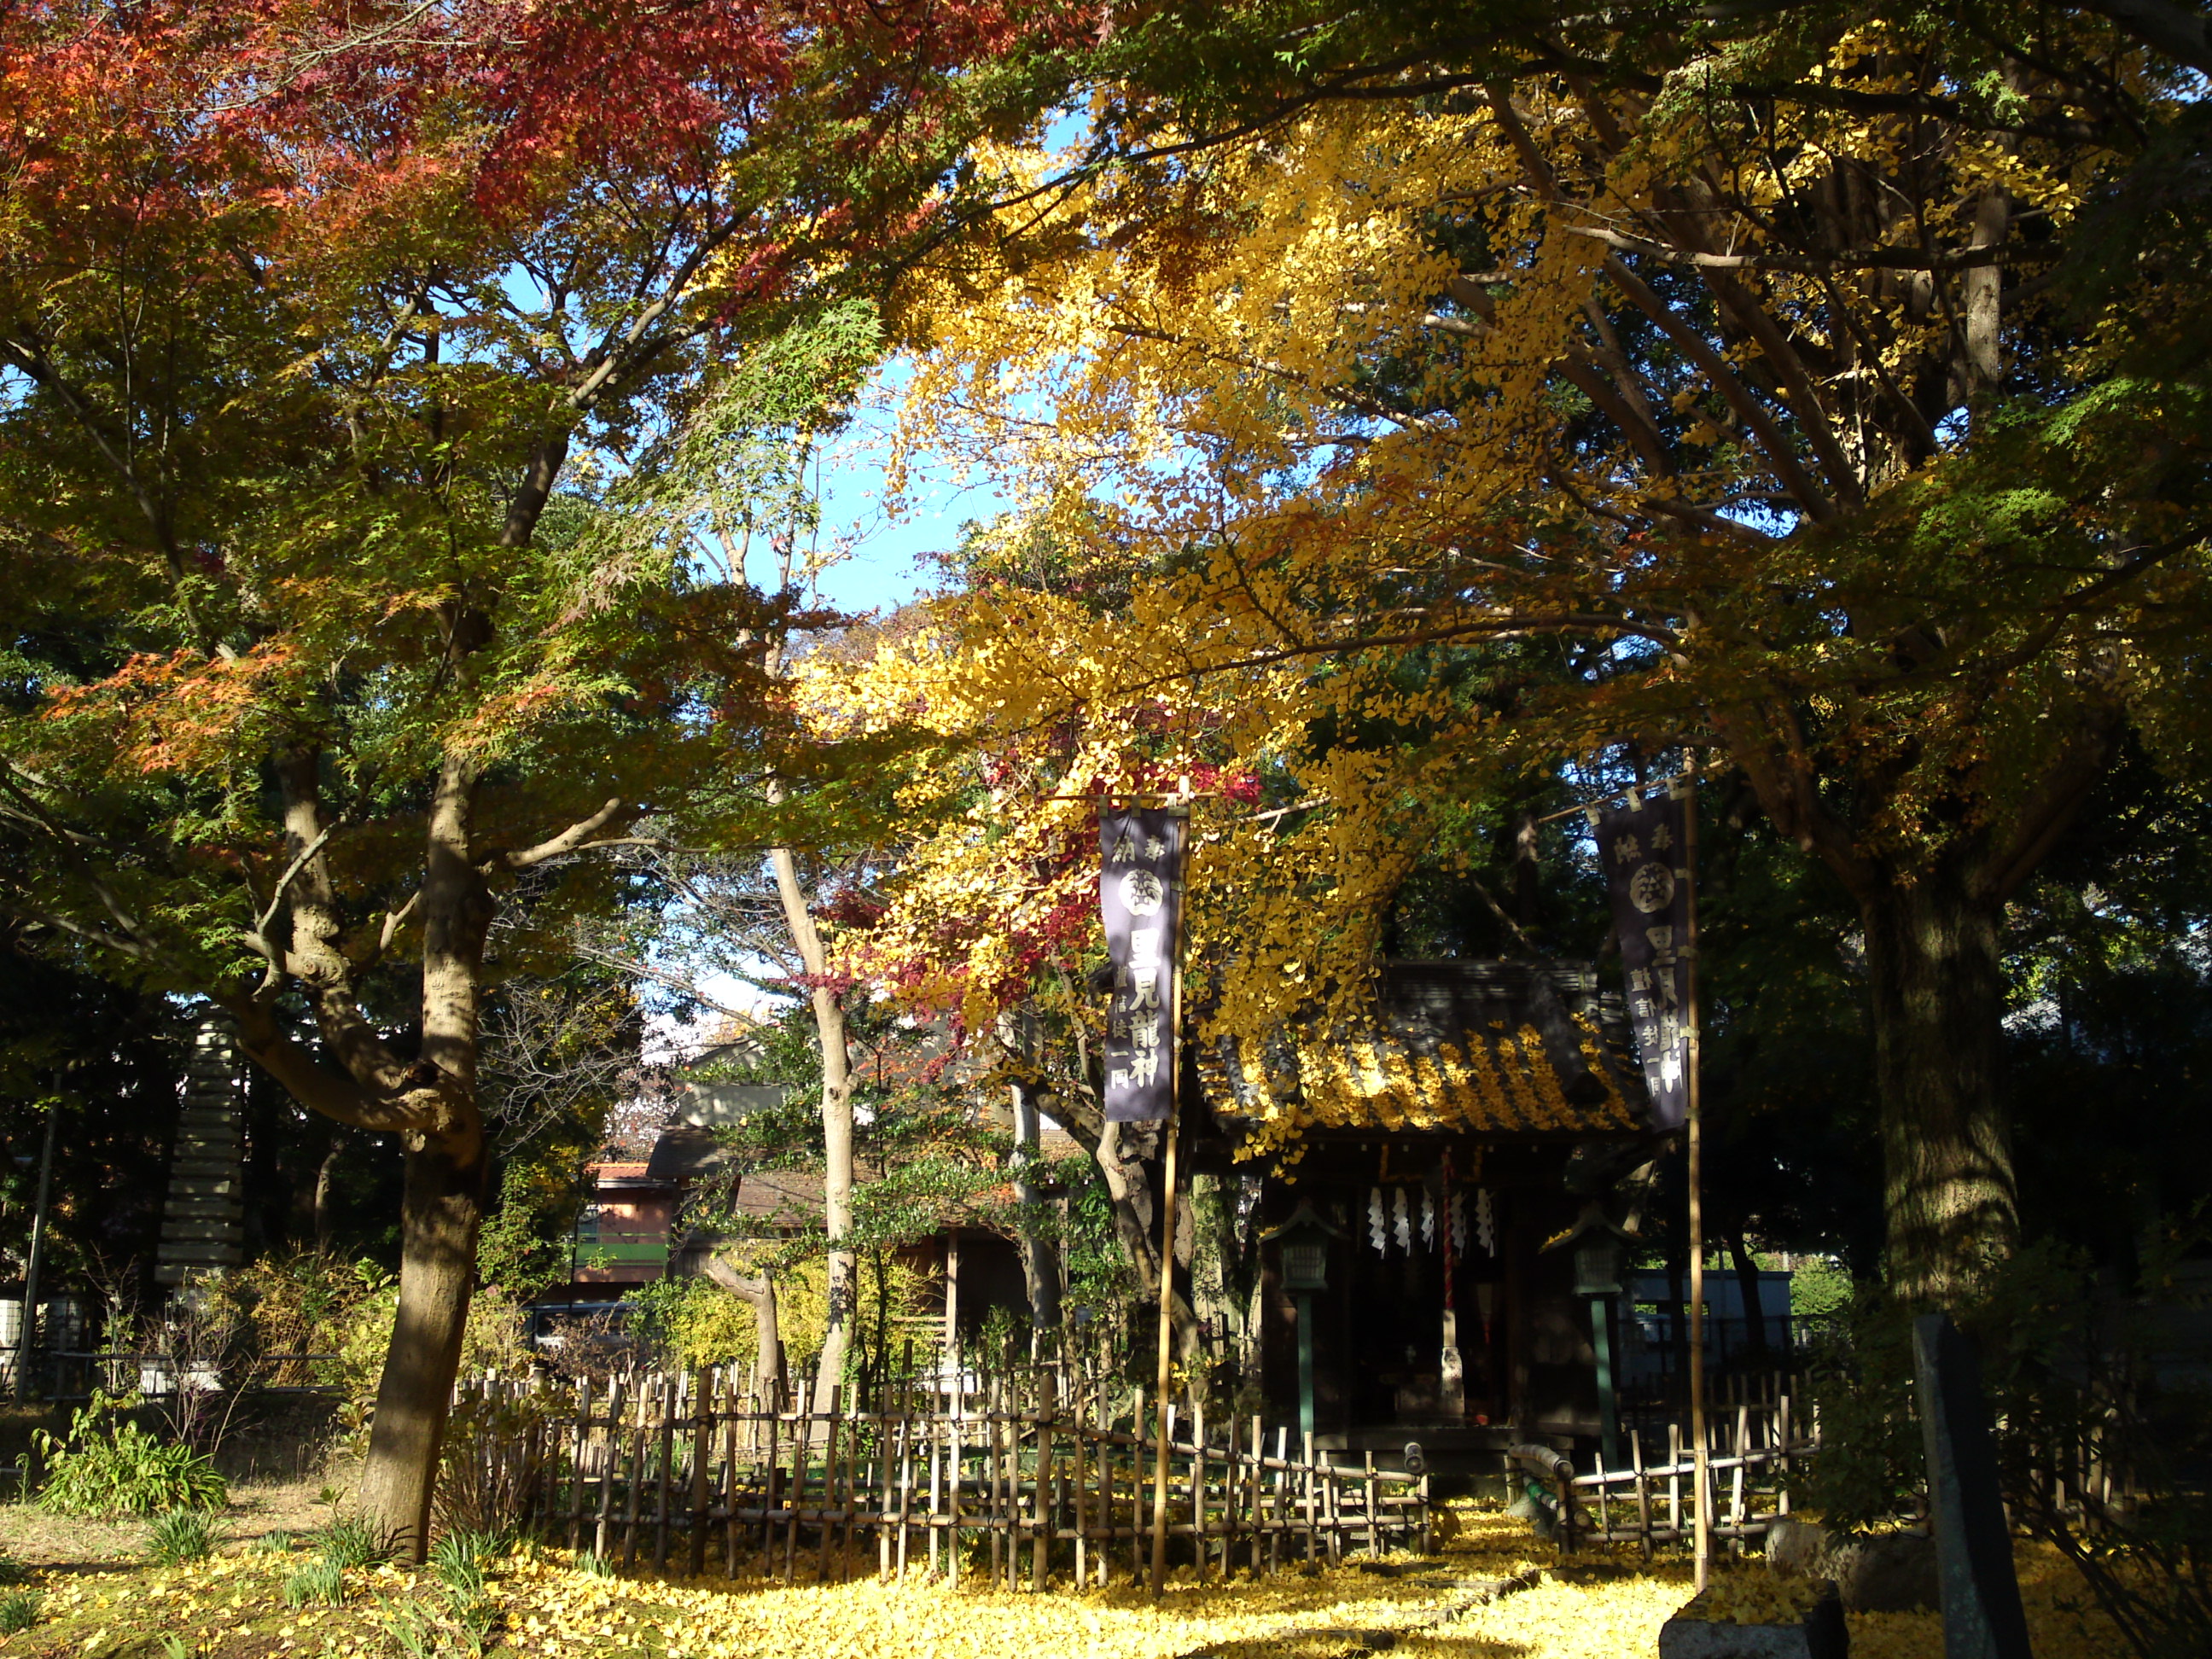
(183, 713)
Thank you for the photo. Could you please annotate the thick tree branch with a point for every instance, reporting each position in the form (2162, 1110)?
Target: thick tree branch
(318, 1087)
(1773, 442)
(567, 840)
(316, 956)
(1811, 265)
(2179, 32)
(285, 882)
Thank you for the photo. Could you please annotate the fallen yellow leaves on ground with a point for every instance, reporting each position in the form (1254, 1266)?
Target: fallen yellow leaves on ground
(538, 1602)
(1745, 1598)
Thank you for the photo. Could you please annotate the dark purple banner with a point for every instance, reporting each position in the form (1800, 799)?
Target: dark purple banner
(1140, 900)
(1641, 848)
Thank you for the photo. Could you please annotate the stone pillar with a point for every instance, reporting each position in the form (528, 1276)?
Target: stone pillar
(203, 1223)
(1982, 1613)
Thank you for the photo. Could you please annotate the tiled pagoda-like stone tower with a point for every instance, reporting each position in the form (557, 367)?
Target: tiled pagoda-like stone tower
(203, 1223)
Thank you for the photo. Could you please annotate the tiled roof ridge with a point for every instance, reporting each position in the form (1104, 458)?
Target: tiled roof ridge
(1459, 1046)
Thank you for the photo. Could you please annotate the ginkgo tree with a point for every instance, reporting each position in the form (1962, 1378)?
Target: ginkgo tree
(329, 338)
(1772, 367)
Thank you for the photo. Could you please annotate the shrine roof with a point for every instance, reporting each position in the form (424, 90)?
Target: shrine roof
(1453, 1047)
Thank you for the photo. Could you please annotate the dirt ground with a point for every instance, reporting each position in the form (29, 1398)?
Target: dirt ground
(69, 1543)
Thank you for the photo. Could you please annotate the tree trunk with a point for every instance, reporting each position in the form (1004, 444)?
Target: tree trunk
(767, 1330)
(439, 1217)
(1040, 1255)
(1220, 1286)
(1124, 1153)
(1746, 1284)
(1122, 1158)
(326, 1174)
(442, 1205)
(1934, 962)
(843, 1269)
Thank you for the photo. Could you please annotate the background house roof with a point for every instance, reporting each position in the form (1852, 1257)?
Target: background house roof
(684, 1153)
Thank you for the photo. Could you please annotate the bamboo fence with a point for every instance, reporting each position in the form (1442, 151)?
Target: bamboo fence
(1022, 1477)
(1757, 1439)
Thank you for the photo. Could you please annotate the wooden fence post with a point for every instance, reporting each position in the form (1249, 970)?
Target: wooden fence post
(702, 1433)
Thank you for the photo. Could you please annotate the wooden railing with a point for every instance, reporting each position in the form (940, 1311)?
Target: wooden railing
(1021, 1477)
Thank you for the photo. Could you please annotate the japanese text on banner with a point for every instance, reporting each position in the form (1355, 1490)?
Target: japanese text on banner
(1642, 847)
(1140, 900)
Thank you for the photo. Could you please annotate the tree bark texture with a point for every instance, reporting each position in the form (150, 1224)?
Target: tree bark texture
(1126, 1154)
(768, 1332)
(439, 1218)
(1039, 1252)
(843, 1269)
(1934, 960)
(1221, 1261)
(430, 1103)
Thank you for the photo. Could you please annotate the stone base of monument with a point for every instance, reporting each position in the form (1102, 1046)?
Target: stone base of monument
(1699, 1638)
(1722, 1623)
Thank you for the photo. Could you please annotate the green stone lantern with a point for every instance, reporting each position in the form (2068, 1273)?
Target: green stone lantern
(1302, 1246)
(1601, 1247)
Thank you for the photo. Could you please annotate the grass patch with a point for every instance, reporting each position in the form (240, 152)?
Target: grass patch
(352, 1541)
(179, 1536)
(459, 1558)
(319, 1582)
(19, 1611)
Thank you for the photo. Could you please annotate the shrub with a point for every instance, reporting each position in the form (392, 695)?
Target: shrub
(694, 1323)
(278, 1542)
(182, 1536)
(19, 1611)
(482, 1487)
(2073, 1391)
(496, 1340)
(321, 1580)
(592, 1564)
(295, 1306)
(108, 1466)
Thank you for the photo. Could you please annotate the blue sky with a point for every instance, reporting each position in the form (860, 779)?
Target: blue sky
(885, 566)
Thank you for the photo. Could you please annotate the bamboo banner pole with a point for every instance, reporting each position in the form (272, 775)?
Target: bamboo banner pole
(1701, 1477)
(1165, 1380)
